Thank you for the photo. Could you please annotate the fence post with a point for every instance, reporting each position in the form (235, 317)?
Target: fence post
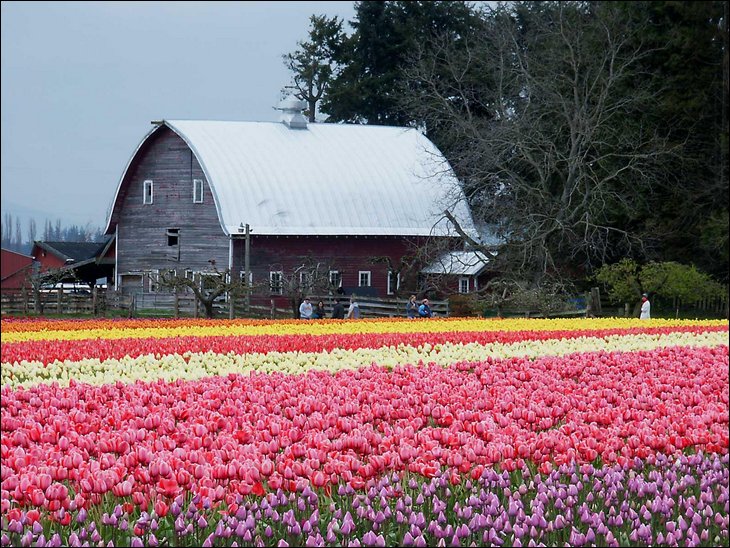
(596, 298)
(24, 296)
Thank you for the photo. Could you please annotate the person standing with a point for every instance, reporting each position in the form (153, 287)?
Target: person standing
(645, 307)
(338, 311)
(424, 311)
(305, 309)
(354, 311)
(319, 312)
(411, 307)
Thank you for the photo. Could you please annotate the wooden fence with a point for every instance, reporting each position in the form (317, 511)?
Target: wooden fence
(100, 302)
(97, 302)
(373, 307)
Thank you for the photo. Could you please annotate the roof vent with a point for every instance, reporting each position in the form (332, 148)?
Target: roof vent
(291, 113)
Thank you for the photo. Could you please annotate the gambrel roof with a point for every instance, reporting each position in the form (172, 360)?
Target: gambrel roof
(325, 179)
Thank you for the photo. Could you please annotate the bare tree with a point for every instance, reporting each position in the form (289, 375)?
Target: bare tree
(47, 231)
(46, 280)
(18, 234)
(311, 277)
(404, 271)
(31, 231)
(206, 286)
(7, 237)
(540, 118)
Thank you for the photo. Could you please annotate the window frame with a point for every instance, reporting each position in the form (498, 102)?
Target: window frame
(390, 282)
(173, 233)
(369, 277)
(148, 183)
(154, 279)
(305, 280)
(276, 290)
(462, 280)
(198, 184)
(337, 275)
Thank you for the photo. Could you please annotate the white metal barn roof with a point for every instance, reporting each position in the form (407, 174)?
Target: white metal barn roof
(325, 179)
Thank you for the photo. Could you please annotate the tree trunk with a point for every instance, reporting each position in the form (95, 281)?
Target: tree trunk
(209, 311)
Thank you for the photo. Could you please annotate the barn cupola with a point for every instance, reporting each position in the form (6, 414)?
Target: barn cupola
(292, 113)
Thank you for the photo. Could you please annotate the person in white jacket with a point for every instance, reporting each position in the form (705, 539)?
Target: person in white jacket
(305, 309)
(645, 307)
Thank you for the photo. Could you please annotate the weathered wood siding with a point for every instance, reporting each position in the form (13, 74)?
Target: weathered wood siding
(142, 243)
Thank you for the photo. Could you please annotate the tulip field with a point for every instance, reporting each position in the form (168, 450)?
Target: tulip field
(440, 432)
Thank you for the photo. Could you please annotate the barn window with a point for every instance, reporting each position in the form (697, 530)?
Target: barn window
(463, 285)
(304, 280)
(154, 277)
(173, 236)
(393, 281)
(242, 275)
(148, 191)
(209, 281)
(275, 281)
(364, 278)
(197, 191)
(335, 278)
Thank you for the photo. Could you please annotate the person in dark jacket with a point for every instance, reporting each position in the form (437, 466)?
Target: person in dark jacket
(412, 307)
(318, 313)
(338, 311)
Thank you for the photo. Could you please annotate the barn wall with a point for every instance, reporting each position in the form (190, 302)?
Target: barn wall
(142, 236)
(15, 269)
(47, 259)
(347, 254)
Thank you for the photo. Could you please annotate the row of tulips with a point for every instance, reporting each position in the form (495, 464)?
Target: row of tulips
(13, 331)
(668, 502)
(168, 359)
(47, 350)
(223, 435)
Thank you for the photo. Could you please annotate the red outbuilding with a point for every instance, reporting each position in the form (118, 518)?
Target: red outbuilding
(16, 268)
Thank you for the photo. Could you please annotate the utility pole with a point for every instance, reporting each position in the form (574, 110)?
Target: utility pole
(246, 268)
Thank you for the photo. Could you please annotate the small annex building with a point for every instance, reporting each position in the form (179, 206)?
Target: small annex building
(355, 198)
(16, 269)
(85, 262)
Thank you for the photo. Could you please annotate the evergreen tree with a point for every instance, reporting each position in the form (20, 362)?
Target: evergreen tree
(317, 61)
(686, 62)
(386, 35)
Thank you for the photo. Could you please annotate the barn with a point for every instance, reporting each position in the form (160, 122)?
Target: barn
(16, 269)
(358, 201)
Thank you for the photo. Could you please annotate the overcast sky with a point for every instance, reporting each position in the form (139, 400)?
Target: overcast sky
(81, 82)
